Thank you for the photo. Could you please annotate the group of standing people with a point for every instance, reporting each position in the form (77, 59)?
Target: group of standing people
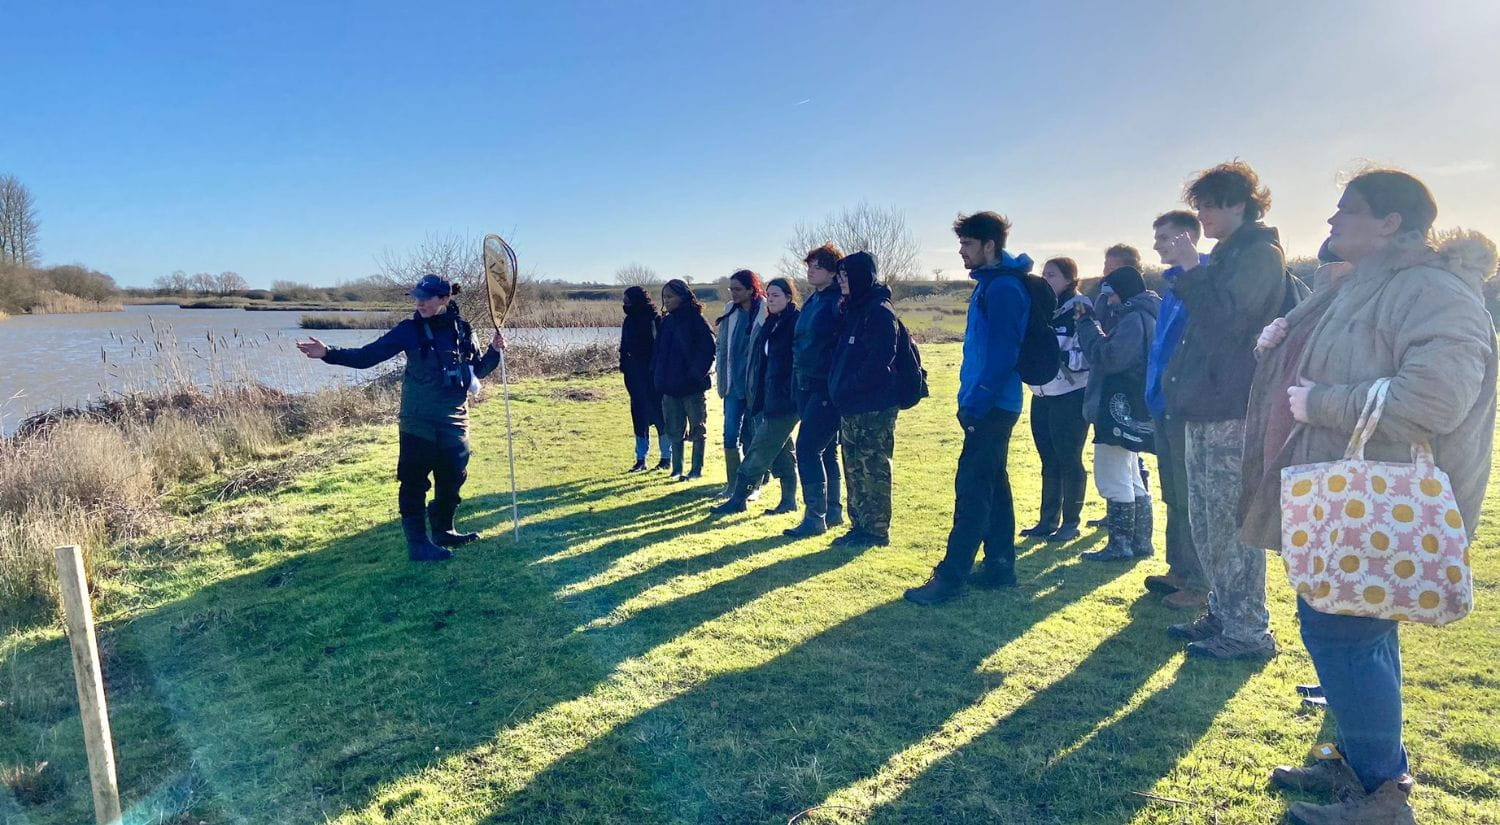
(1236, 371)
(821, 369)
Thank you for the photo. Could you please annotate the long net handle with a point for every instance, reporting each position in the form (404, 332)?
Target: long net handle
(510, 446)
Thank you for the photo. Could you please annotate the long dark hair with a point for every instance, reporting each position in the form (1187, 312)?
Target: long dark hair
(787, 288)
(639, 301)
(681, 290)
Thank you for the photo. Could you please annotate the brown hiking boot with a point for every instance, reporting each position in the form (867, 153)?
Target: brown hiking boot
(1170, 583)
(1388, 805)
(1186, 599)
(1330, 776)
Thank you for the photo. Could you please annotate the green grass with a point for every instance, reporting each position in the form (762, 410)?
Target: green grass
(631, 660)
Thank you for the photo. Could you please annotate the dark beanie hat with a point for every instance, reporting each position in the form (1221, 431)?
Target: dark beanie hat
(1126, 282)
(859, 270)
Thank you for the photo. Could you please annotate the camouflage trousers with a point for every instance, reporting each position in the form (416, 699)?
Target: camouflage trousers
(868, 442)
(1235, 571)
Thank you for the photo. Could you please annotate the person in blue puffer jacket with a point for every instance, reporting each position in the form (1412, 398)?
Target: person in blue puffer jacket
(989, 404)
(1183, 585)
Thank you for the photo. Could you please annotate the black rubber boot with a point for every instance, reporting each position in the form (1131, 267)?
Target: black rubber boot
(734, 504)
(418, 548)
(731, 469)
(676, 465)
(696, 471)
(440, 519)
(1047, 523)
(835, 515)
(811, 525)
(1119, 518)
(788, 502)
(1142, 532)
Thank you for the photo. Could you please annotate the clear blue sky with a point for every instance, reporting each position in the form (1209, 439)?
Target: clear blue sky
(299, 140)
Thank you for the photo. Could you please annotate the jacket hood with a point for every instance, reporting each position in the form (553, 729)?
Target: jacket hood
(1249, 233)
(1469, 255)
(1017, 263)
(1466, 254)
(1148, 302)
(877, 294)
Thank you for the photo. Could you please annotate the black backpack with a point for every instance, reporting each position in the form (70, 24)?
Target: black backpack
(1040, 356)
(910, 377)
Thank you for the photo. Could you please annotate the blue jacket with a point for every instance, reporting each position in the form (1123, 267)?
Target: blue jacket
(999, 308)
(1169, 325)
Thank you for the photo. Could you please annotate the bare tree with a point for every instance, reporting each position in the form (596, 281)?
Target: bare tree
(880, 231)
(637, 275)
(201, 282)
(228, 282)
(452, 256)
(18, 223)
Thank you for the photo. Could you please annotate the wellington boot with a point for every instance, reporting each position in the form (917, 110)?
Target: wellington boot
(731, 469)
(788, 503)
(835, 515)
(440, 518)
(1143, 526)
(696, 471)
(418, 548)
(1051, 513)
(1120, 519)
(811, 525)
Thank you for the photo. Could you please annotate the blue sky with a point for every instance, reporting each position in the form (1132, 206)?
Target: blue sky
(300, 140)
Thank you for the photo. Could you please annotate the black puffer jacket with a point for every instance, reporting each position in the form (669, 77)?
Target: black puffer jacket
(638, 343)
(770, 386)
(862, 379)
(684, 352)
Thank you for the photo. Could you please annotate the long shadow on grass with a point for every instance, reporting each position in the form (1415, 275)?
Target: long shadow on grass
(761, 744)
(298, 688)
(1062, 758)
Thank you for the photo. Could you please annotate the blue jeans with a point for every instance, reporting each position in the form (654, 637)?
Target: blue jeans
(737, 425)
(1359, 665)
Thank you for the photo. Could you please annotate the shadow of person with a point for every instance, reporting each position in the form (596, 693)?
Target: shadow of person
(755, 745)
(1076, 750)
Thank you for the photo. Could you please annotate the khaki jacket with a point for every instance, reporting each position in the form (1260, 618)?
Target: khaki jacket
(1410, 313)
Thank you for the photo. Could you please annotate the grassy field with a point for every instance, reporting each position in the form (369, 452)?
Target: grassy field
(630, 660)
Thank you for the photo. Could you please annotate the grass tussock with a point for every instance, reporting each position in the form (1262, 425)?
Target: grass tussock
(97, 476)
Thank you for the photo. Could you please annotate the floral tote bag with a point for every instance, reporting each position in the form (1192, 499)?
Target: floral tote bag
(1378, 539)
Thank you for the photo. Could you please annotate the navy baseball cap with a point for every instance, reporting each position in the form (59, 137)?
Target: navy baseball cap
(431, 286)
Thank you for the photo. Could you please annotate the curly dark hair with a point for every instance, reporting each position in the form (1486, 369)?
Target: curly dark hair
(983, 226)
(637, 296)
(683, 292)
(1229, 184)
(1126, 254)
(826, 257)
(750, 280)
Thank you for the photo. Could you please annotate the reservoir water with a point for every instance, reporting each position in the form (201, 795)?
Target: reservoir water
(52, 360)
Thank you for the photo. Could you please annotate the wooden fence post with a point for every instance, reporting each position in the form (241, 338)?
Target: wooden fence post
(90, 678)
